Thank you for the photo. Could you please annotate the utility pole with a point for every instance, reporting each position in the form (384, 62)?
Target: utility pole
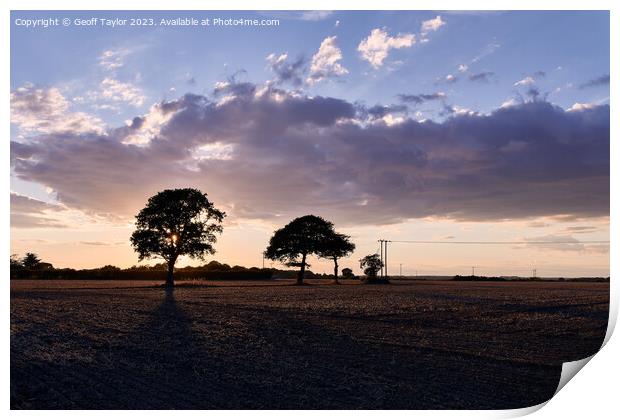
(534, 273)
(381, 245)
(400, 271)
(386, 259)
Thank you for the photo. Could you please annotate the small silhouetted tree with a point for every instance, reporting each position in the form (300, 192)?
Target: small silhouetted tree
(335, 247)
(174, 223)
(31, 261)
(371, 264)
(347, 273)
(16, 263)
(301, 237)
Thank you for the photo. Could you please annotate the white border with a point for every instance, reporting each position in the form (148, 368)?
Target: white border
(591, 394)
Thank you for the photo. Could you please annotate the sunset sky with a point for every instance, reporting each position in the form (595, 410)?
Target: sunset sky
(431, 125)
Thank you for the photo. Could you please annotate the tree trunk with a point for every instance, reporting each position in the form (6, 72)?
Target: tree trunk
(300, 276)
(336, 271)
(170, 276)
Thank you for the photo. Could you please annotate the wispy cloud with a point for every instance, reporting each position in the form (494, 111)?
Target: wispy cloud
(421, 97)
(599, 81)
(526, 81)
(112, 60)
(484, 76)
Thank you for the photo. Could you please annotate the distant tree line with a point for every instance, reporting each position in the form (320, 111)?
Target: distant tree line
(31, 267)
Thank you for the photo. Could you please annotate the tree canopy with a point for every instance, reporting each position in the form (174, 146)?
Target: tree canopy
(174, 223)
(371, 264)
(336, 246)
(301, 237)
(31, 261)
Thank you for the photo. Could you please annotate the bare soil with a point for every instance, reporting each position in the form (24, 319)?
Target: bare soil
(239, 345)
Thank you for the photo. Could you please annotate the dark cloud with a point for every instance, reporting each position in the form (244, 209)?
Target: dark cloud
(484, 76)
(533, 93)
(421, 97)
(263, 152)
(581, 229)
(28, 212)
(599, 81)
(380, 111)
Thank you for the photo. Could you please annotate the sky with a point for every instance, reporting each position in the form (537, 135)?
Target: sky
(429, 125)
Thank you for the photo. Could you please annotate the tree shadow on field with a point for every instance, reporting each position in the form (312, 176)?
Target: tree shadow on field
(165, 365)
(160, 365)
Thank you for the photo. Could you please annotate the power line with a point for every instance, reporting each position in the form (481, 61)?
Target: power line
(503, 242)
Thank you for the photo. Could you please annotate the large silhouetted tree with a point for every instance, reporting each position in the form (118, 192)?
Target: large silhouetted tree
(335, 247)
(174, 223)
(293, 243)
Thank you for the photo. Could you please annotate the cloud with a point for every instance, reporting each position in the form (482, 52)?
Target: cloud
(380, 111)
(46, 110)
(578, 107)
(286, 71)
(101, 243)
(28, 212)
(421, 97)
(599, 81)
(112, 60)
(458, 110)
(316, 14)
(307, 15)
(484, 76)
(325, 63)
(527, 81)
(511, 102)
(463, 68)
(274, 154)
(563, 242)
(431, 25)
(489, 49)
(580, 229)
(142, 129)
(450, 78)
(117, 91)
(376, 46)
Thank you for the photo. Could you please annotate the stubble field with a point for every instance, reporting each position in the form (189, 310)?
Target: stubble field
(409, 345)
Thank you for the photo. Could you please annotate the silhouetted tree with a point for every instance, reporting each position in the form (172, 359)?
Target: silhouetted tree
(347, 273)
(31, 261)
(371, 264)
(174, 223)
(336, 246)
(301, 237)
(16, 263)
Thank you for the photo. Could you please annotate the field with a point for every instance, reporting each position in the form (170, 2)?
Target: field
(424, 344)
